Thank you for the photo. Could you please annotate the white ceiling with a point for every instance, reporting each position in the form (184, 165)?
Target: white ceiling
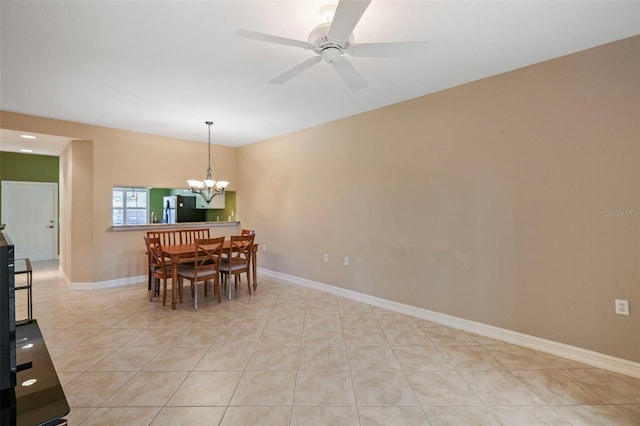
(165, 67)
(12, 141)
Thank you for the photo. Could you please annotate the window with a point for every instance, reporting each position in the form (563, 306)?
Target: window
(130, 206)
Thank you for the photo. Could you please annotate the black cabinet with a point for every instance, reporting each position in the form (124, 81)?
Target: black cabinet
(38, 397)
(31, 393)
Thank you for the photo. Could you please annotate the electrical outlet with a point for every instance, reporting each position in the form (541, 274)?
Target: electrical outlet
(622, 307)
(326, 258)
(264, 247)
(346, 261)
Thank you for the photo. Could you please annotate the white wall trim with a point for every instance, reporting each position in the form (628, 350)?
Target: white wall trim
(102, 284)
(574, 353)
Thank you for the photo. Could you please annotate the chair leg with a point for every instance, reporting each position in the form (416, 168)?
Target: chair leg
(253, 271)
(153, 289)
(164, 293)
(216, 289)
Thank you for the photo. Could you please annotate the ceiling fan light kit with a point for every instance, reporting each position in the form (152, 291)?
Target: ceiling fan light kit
(331, 40)
(327, 12)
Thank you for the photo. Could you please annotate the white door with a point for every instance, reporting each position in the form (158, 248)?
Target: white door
(30, 212)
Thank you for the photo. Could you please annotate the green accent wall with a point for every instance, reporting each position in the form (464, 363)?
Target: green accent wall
(155, 201)
(28, 168)
(155, 204)
(229, 206)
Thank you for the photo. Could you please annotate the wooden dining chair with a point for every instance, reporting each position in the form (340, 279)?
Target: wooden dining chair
(159, 268)
(238, 259)
(190, 236)
(247, 232)
(206, 267)
(167, 238)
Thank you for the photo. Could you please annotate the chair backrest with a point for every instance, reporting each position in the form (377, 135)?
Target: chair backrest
(208, 253)
(154, 251)
(179, 236)
(240, 249)
(167, 238)
(190, 236)
(248, 232)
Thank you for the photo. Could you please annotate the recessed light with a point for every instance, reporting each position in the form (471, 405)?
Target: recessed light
(27, 136)
(26, 150)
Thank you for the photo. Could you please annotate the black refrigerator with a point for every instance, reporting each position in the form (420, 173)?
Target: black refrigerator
(180, 208)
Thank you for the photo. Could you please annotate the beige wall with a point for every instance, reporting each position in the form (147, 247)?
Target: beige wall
(76, 236)
(486, 201)
(91, 165)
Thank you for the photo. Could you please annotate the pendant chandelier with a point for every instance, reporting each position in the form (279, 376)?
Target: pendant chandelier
(208, 188)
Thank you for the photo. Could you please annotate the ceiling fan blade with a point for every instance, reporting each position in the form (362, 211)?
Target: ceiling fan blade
(349, 74)
(298, 69)
(274, 39)
(346, 17)
(388, 50)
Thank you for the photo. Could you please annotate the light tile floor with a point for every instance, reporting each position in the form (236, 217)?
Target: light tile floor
(292, 356)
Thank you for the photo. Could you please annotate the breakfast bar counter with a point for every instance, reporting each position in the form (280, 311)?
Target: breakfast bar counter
(169, 226)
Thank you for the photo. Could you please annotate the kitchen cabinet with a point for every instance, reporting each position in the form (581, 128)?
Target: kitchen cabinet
(216, 203)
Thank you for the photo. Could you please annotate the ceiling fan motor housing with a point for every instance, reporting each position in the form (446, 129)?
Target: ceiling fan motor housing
(328, 48)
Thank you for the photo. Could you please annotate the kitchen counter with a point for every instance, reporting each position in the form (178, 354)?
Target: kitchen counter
(181, 225)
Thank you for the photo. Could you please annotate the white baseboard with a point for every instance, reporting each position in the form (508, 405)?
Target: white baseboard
(574, 353)
(102, 284)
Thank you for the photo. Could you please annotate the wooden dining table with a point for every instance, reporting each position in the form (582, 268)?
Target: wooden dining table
(181, 253)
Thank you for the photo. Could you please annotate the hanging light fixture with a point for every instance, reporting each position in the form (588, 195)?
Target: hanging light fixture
(133, 194)
(208, 188)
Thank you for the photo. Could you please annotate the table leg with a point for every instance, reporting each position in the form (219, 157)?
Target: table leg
(174, 281)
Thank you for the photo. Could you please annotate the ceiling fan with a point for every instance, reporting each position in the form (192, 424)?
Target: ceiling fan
(332, 39)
